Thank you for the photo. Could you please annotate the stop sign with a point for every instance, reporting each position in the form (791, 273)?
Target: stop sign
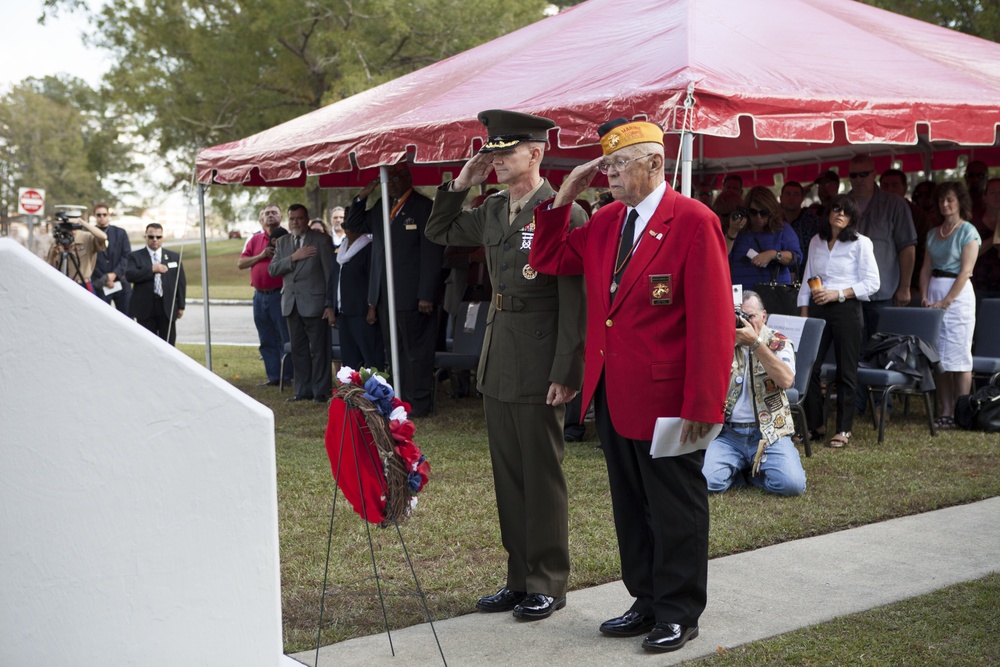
(30, 201)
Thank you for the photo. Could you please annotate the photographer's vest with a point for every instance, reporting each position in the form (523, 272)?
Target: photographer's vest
(770, 403)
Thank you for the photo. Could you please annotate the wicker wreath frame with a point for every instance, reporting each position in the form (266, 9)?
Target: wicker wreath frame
(397, 488)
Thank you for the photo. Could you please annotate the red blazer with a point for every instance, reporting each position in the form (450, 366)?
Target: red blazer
(666, 344)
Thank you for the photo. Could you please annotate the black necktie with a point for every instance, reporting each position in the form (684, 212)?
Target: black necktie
(625, 246)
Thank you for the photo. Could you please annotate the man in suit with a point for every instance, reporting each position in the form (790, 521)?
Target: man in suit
(416, 263)
(304, 259)
(659, 344)
(532, 359)
(109, 271)
(158, 285)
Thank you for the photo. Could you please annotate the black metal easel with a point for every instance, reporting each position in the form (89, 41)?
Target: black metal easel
(353, 414)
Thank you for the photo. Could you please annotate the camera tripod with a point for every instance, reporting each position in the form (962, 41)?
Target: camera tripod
(68, 259)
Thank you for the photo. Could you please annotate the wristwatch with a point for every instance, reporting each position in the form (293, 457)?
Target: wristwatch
(840, 296)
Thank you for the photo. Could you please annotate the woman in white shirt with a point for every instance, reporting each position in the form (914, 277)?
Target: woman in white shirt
(841, 273)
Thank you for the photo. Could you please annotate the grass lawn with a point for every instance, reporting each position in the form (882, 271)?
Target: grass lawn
(953, 627)
(228, 282)
(453, 538)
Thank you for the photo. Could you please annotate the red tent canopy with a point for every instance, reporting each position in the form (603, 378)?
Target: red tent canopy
(790, 86)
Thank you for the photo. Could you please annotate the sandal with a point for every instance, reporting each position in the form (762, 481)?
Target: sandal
(840, 440)
(944, 423)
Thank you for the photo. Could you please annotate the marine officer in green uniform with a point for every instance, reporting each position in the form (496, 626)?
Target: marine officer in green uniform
(532, 358)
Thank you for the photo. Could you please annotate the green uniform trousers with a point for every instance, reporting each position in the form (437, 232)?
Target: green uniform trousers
(526, 447)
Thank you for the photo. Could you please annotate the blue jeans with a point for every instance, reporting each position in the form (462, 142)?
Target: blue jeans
(272, 330)
(729, 459)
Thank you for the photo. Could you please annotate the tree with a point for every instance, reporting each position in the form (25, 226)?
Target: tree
(195, 73)
(58, 134)
(973, 17)
(41, 145)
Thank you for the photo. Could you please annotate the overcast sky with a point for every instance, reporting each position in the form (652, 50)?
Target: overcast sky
(29, 49)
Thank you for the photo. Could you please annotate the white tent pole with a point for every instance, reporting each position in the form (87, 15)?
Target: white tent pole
(390, 281)
(687, 142)
(687, 148)
(204, 275)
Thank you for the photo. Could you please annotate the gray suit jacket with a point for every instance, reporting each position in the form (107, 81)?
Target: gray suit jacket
(304, 281)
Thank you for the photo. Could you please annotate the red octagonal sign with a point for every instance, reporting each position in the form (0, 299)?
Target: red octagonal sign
(31, 201)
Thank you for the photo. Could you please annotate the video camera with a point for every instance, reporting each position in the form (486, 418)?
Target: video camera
(62, 231)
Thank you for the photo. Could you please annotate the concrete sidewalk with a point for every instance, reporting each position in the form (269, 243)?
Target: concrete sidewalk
(807, 582)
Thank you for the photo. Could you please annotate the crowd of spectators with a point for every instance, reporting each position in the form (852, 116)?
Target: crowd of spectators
(867, 247)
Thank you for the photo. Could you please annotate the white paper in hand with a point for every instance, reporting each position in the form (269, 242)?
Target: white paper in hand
(667, 438)
(116, 287)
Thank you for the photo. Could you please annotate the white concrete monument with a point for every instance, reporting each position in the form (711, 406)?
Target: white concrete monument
(138, 507)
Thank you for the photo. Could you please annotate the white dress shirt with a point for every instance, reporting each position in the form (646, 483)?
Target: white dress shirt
(646, 210)
(849, 264)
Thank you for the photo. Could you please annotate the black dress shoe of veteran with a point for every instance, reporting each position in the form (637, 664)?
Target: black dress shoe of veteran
(629, 624)
(536, 606)
(669, 637)
(503, 600)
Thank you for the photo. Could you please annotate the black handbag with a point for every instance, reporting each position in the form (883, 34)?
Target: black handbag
(779, 298)
(979, 411)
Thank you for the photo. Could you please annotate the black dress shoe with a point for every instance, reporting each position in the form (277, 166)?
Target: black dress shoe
(535, 607)
(629, 624)
(296, 399)
(321, 399)
(269, 383)
(669, 637)
(503, 600)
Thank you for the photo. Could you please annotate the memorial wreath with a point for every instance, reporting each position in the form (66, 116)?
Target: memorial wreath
(369, 440)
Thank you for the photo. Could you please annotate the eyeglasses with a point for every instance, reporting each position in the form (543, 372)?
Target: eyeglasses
(861, 174)
(619, 164)
(102, 215)
(761, 213)
(154, 238)
(837, 208)
(738, 214)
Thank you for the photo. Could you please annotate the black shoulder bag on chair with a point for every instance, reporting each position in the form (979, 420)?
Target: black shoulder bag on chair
(779, 298)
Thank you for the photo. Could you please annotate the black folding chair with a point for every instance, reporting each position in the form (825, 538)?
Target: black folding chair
(925, 323)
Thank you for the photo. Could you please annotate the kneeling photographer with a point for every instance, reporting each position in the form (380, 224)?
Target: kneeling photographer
(754, 446)
(75, 244)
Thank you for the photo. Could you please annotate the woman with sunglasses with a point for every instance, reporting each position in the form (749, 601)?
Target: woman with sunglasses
(952, 249)
(761, 244)
(841, 273)
(728, 206)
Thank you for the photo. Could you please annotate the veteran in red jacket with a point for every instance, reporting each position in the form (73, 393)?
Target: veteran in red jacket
(659, 344)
